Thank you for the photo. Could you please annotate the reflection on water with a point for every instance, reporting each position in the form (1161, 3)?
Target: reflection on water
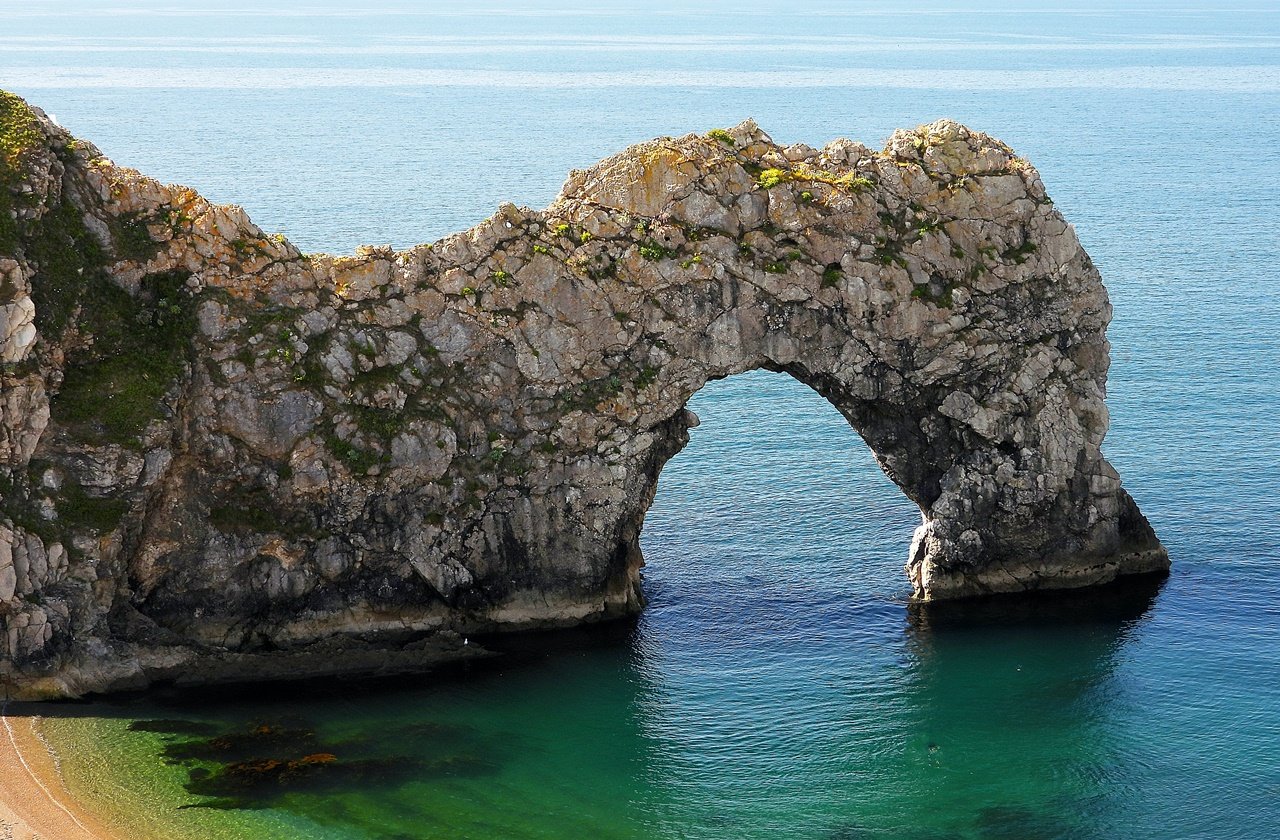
(975, 721)
(1014, 693)
(1120, 603)
(984, 720)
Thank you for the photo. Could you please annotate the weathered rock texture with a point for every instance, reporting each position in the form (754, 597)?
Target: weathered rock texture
(221, 457)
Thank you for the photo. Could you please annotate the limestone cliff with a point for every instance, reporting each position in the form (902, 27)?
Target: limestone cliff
(221, 458)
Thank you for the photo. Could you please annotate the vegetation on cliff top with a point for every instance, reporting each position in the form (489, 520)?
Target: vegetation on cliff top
(19, 131)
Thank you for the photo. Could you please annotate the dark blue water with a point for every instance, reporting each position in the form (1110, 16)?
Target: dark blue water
(778, 685)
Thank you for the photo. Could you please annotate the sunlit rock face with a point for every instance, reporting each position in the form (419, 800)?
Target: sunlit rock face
(223, 459)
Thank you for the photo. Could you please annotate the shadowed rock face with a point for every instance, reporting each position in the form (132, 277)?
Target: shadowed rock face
(225, 459)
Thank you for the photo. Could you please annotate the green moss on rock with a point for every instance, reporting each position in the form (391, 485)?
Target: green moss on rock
(384, 423)
(114, 388)
(79, 511)
(17, 507)
(69, 260)
(131, 237)
(257, 510)
(358, 460)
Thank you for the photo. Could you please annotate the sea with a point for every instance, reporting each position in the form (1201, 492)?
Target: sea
(780, 684)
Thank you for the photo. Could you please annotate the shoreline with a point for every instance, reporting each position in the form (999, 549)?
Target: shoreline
(34, 801)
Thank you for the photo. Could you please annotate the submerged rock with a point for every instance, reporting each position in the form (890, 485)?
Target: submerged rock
(223, 459)
(253, 766)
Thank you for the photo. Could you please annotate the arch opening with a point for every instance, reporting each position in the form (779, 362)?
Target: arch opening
(775, 487)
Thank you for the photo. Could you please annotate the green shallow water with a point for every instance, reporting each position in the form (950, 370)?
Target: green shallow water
(778, 685)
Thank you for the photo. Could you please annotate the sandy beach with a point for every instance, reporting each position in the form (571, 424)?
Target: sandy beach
(34, 802)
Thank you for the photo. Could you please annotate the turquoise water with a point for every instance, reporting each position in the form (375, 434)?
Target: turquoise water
(778, 685)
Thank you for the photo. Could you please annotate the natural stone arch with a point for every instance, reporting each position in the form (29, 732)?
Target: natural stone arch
(1014, 492)
(465, 436)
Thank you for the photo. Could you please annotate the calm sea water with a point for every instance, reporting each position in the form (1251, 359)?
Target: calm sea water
(779, 685)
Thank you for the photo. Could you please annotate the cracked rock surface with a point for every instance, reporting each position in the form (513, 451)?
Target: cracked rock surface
(223, 459)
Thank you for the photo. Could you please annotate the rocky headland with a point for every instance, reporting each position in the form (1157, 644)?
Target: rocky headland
(221, 458)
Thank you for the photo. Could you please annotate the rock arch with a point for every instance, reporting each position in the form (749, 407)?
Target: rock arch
(375, 452)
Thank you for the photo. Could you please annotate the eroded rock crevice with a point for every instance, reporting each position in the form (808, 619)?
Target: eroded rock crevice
(221, 458)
